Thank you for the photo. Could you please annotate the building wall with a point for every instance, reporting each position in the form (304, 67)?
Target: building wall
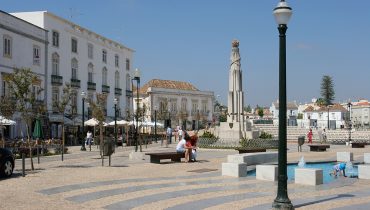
(195, 100)
(25, 37)
(68, 30)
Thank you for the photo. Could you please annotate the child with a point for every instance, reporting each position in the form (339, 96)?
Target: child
(339, 168)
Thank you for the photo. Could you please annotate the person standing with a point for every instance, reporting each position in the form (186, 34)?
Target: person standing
(169, 134)
(309, 136)
(180, 132)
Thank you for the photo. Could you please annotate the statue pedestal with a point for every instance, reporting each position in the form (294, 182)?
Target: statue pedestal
(235, 131)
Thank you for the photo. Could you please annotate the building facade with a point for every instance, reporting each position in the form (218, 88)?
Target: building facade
(87, 61)
(360, 112)
(23, 45)
(176, 103)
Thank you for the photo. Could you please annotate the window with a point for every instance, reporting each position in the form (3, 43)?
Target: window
(183, 104)
(55, 39)
(128, 82)
(7, 52)
(55, 64)
(104, 56)
(36, 55)
(74, 103)
(128, 64)
(116, 79)
(5, 89)
(36, 92)
(90, 73)
(74, 68)
(74, 45)
(105, 76)
(116, 60)
(55, 98)
(90, 51)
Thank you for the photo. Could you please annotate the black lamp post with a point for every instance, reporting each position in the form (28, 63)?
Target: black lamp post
(155, 124)
(198, 118)
(137, 78)
(349, 121)
(115, 101)
(169, 116)
(329, 117)
(282, 15)
(83, 95)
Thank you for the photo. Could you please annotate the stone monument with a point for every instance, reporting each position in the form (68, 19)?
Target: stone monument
(237, 126)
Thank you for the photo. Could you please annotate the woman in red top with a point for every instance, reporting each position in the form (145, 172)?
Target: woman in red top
(309, 135)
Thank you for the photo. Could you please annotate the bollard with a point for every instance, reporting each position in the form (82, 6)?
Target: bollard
(23, 165)
(109, 159)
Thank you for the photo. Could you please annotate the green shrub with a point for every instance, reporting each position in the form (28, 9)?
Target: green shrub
(265, 135)
(207, 134)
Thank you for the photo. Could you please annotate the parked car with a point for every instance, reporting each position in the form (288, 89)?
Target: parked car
(6, 162)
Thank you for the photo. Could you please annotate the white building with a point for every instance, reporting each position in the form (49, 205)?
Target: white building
(316, 116)
(360, 112)
(88, 61)
(292, 112)
(23, 45)
(177, 103)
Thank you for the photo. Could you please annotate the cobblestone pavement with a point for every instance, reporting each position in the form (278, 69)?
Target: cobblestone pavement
(80, 182)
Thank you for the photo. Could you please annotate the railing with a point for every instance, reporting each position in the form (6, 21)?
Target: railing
(76, 83)
(105, 88)
(129, 93)
(56, 80)
(117, 91)
(91, 85)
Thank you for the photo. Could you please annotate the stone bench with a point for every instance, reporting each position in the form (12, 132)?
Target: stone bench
(309, 176)
(174, 156)
(364, 171)
(267, 172)
(344, 156)
(358, 145)
(318, 147)
(236, 165)
(366, 157)
(250, 150)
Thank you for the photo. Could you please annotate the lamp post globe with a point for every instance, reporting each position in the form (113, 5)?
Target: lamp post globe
(83, 96)
(282, 15)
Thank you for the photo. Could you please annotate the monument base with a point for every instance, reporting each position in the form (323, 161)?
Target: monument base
(236, 131)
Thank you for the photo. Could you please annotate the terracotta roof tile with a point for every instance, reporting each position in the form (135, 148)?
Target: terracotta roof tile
(167, 84)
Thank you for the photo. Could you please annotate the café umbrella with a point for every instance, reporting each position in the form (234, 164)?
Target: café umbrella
(37, 130)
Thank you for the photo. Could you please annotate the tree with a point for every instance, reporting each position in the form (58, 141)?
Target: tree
(98, 112)
(248, 109)
(327, 90)
(260, 112)
(20, 83)
(320, 102)
(61, 107)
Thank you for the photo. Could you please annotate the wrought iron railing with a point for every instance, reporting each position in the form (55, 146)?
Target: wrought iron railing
(56, 80)
(76, 83)
(105, 88)
(91, 85)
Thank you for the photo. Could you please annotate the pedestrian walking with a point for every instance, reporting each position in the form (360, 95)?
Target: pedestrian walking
(309, 136)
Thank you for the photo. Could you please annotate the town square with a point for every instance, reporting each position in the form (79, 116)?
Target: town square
(184, 105)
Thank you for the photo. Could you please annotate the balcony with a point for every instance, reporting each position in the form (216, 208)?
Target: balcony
(56, 80)
(76, 83)
(91, 85)
(118, 91)
(105, 88)
(129, 93)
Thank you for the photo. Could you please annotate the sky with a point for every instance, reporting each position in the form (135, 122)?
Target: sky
(190, 40)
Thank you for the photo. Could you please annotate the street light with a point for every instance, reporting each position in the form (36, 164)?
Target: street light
(198, 118)
(349, 122)
(282, 15)
(83, 95)
(169, 117)
(137, 78)
(329, 116)
(115, 101)
(155, 124)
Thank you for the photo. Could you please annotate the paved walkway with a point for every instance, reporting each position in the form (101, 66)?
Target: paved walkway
(80, 182)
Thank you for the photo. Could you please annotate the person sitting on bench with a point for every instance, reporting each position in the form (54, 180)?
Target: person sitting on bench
(182, 147)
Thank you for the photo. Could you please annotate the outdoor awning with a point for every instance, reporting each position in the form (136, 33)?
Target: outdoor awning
(59, 118)
(4, 121)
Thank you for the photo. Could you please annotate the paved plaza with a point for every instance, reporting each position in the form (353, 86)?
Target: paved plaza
(80, 182)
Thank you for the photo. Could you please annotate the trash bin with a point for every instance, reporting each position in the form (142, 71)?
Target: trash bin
(300, 143)
(108, 147)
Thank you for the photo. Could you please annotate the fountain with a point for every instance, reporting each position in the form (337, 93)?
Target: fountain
(301, 163)
(349, 169)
